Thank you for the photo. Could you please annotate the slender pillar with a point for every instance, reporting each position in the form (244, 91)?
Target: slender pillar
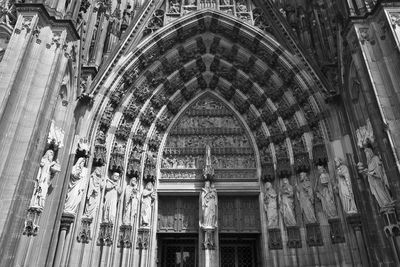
(66, 221)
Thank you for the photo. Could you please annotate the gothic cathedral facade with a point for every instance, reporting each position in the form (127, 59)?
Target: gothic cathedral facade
(199, 133)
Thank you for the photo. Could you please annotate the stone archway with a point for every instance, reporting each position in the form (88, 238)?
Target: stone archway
(280, 106)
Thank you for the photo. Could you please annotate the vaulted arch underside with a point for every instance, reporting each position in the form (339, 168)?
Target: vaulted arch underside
(279, 101)
(206, 79)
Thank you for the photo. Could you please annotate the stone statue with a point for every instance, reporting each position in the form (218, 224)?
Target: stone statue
(131, 202)
(286, 203)
(209, 204)
(111, 195)
(208, 171)
(325, 194)
(305, 195)
(344, 186)
(94, 193)
(76, 187)
(376, 178)
(271, 205)
(47, 168)
(148, 197)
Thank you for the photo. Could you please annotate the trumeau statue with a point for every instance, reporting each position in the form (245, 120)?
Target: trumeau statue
(344, 186)
(306, 198)
(47, 167)
(286, 203)
(131, 202)
(325, 194)
(376, 178)
(94, 193)
(271, 205)
(75, 187)
(148, 197)
(209, 204)
(111, 195)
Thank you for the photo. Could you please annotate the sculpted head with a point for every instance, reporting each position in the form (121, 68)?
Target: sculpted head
(285, 181)
(133, 183)
(369, 153)
(115, 176)
(321, 169)
(303, 176)
(338, 161)
(49, 155)
(149, 186)
(268, 185)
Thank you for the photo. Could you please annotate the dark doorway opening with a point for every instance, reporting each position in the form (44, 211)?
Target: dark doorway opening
(177, 250)
(239, 250)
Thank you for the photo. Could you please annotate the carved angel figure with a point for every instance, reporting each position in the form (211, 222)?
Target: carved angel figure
(376, 178)
(111, 195)
(344, 186)
(131, 202)
(209, 204)
(306, 198)
(325, 194)
(286, 203)
(75, 187)
(94, 192)
(271, 205)
(47, 168)
(148, 197)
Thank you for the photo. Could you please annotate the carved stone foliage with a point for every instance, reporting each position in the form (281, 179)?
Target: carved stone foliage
(208, 122)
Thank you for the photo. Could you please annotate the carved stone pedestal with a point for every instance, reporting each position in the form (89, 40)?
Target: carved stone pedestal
(275, 239)
(125, 234)
(392, 227)
(105, 235)
(143, 238)
(337, 235)
(84, 233)
(208, 238)
(314, 236)
(31, 227)
(294, 237)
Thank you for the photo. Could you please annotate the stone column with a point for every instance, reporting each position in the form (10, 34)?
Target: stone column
(66, 221)
(355, 222)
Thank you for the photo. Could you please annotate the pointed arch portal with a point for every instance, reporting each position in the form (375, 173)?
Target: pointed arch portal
(204, 79)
